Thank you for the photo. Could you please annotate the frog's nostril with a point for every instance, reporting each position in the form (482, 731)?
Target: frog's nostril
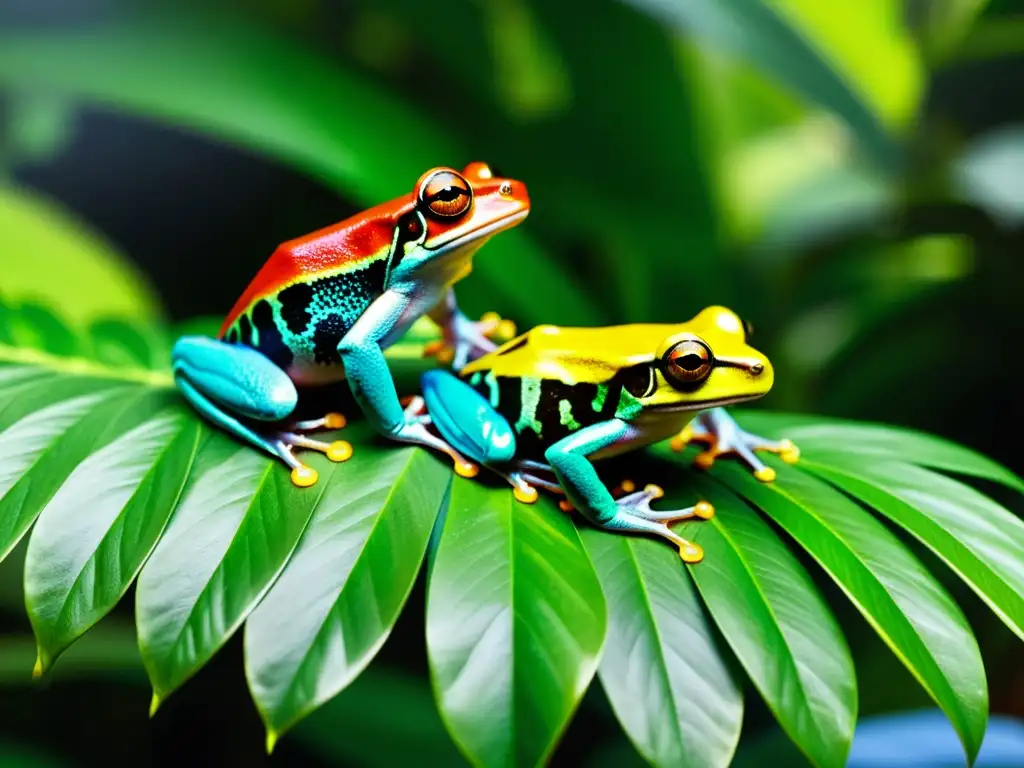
(505, 189)
(757, 369)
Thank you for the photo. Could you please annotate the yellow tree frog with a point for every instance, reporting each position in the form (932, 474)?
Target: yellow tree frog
(541, 408)
(325, 306)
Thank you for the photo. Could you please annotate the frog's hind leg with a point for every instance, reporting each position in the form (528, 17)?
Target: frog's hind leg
(724, 436)
(221, 380)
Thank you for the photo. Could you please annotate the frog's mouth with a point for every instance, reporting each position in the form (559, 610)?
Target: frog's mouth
(703, 404)
(478, 235)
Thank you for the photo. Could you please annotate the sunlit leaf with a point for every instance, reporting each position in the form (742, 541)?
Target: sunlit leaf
(337, 600)
(515, 622)
(662, 668)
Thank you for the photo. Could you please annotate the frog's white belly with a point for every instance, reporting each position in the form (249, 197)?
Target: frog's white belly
(647, 429)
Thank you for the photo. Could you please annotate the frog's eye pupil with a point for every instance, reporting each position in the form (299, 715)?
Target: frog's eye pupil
(690, 362)
(446, 194)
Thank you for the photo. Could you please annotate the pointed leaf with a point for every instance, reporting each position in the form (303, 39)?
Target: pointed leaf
(812, 434)
(42, 449)
(979, 539)
(338, 599)
(25, 389)
(93, 536)
(515, 623)
(778, 625)
(662, 667)
(234, 529)
(904, 603)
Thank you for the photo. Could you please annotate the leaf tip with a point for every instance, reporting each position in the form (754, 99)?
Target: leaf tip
(154, 704)
(271, 740)
(39, 668)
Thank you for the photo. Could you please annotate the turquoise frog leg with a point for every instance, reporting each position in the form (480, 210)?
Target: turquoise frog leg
(723, 436)
(243, 392)
(571, 462)
(472, 427)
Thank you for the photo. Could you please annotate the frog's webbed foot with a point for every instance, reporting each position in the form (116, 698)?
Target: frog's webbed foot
(723, 436)
(635, 515)
(465, 339)
(415, 431)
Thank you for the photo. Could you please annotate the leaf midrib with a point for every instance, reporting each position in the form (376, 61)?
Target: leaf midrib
(80, 366)
(869, 616)
(1014, 625)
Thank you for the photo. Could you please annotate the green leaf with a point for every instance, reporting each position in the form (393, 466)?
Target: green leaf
(818, 51)
(816, 434)
(238, 521)
(340, 595)
(78, 566)
(236, 82)
(662, 667)
(515, 623)
(908, 608)
(778, 625)
(975, 536)
(42, 449)
(42, 232)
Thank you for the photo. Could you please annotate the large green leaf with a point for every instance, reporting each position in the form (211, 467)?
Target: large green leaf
(515, 623)
(818, 51)
(979, 539)
(241, 84)
(342, 591)
(39, 239)
(662, 667)
(78, 566)
(908, 608)
(238, 521)
(777, 624)
(878, 441)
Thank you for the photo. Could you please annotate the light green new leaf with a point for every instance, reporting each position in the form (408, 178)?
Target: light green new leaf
(43, 448)
(661, 667)
(238, 83)
(904, 603)
(336, 602)
(817, 50)
(78, 566)
(778, 625)
(238, 521)
(515, 623)
(979, 539)
(816, 434)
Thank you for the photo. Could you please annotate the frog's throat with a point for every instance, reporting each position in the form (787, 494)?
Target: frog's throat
(701, 405)
(478, 235)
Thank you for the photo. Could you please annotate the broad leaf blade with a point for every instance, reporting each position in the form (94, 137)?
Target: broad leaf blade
(336, 602)
(979, 539)
(238, 522)
(661, 667)
(814, 434)
(778, 625)
(42, 449)
(908, 608)
(79, 565)
(515, 623)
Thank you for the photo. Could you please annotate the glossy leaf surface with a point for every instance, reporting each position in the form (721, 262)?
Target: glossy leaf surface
(515, 623)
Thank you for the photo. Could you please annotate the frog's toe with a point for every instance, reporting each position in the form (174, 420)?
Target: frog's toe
(691, 553)
(339, 450)
(304, 476)
(327, 421)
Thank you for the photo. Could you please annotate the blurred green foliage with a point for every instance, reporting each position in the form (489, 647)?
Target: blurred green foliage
(847, 176)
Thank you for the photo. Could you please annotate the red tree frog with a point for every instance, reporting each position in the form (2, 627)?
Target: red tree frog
(540, 408)
(325, 306)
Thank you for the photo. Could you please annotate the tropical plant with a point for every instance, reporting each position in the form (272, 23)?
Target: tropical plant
(771, 161)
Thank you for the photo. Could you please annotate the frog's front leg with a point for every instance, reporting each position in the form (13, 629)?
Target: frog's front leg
(465, 339)
(228, 383)
(724, 436)
(569, 458)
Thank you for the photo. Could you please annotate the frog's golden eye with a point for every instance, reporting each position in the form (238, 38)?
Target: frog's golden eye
(446, 194)
(639, 380)
(688, 362)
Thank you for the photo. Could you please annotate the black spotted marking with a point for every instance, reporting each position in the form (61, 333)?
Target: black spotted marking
(295, 301)
(232, 336)
(580, 397)
(329, 332)
(269, 338)
(337, 302)
(245, 330)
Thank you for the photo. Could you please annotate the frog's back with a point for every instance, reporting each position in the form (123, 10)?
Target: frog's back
(305, 299)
